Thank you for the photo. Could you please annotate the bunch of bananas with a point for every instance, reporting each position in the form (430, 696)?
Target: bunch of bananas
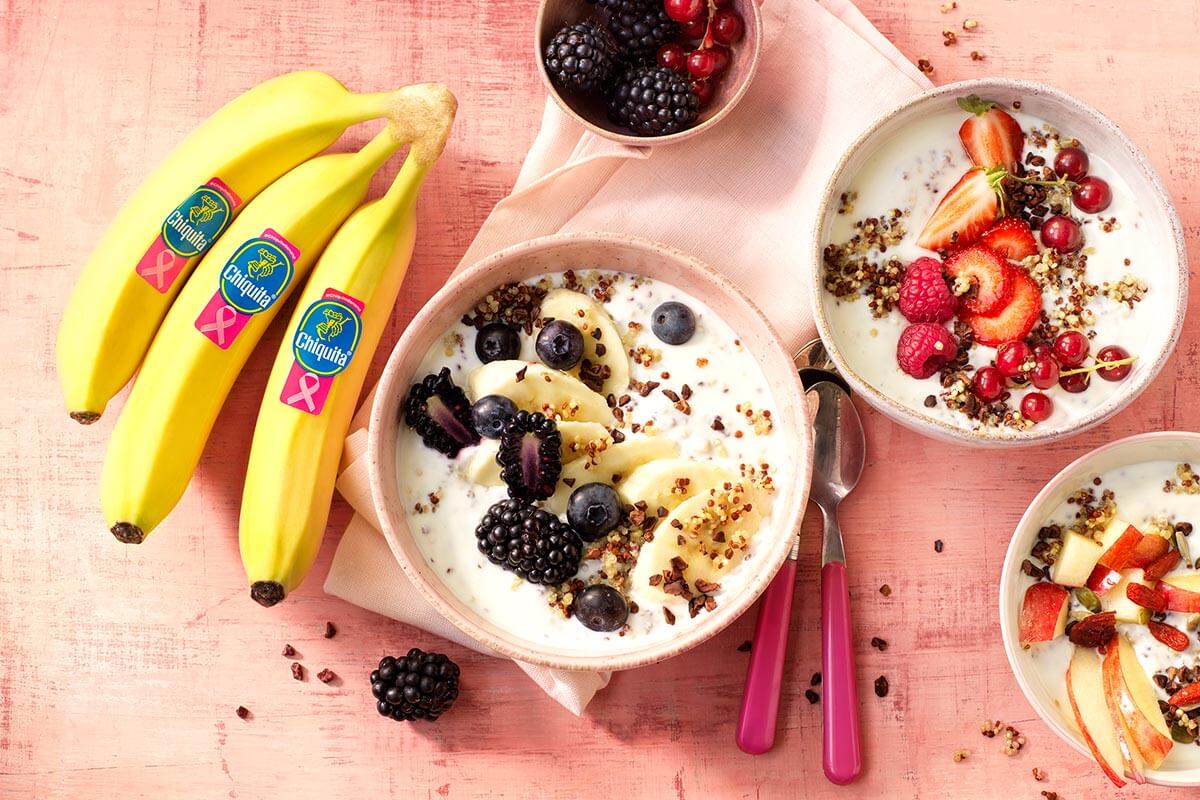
(194, 268)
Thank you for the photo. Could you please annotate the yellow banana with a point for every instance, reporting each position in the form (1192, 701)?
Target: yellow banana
(178, 213)
(320, 370)
(212, 327)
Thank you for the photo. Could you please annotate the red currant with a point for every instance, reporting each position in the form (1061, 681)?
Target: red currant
(988, 384)
(1043, 350)
(1036, 407)
(727, 27)
(722, 3)
(694, 30)
(1071, 163)
(1062, 234)
(704, 91)
(1071, 348)
(1113, 353)
(1092, 195)
(1076, 383)
(1044, 373)
(1010, 357)
(722, 55)
(684, 10)
(701, 63)
(671, 56)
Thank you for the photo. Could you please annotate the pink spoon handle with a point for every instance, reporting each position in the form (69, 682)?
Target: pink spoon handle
(760, 698)
(839, 704)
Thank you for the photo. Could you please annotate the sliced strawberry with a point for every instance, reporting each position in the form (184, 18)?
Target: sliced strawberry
(1162, 566)
(990, 277)
(965, 212)
(1015, 320)
(990, 135)
(1151, 548)
(1011, 238)
(1187, 696)
(1173, 638)
(1145, 597)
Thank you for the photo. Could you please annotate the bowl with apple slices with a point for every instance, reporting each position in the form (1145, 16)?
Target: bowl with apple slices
(1100, 604)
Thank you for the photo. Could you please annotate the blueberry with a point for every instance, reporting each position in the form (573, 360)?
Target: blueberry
(601, 608)
(490, 414)
(497, 341)
(673, 323)
(560, 345)
(593, 510)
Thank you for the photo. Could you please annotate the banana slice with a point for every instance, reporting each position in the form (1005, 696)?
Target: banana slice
(614, 459)
(667, 482)
(715, 529)
(536, 387)
(589, 316)
(480, 465)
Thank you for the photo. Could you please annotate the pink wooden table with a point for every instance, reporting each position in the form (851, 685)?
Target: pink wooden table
(121, 667)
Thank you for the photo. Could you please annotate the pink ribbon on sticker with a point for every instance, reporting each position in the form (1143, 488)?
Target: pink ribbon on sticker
(307, 388)
(223, 321)
(158, 271)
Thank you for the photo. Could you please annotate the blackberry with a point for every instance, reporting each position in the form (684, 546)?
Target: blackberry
(653, 101)
(639, 27)
(529, 541)
(530, 456)
(440, 412)
(419, 685)
(582, 57)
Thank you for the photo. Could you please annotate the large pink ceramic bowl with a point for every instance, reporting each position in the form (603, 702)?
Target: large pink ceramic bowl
(556, 254)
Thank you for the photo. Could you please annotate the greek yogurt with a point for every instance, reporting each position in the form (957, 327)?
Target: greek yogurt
(702, 408)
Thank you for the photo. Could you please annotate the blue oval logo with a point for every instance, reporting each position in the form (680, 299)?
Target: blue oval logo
(256, 276)
(197, 222)
(327, 337)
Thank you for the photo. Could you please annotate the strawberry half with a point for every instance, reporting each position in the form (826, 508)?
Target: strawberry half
(1015, 320)
(990, 277)
(990, 135)
(1011, 238)
(966, 211)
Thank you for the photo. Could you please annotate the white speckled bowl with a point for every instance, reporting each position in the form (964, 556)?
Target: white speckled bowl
(587, 251)
(1182, 767)
(1104, 139)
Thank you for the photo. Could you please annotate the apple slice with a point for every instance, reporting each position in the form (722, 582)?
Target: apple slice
(1148, 550)
(1076, 560)
(1043, 613)
(1120, 540)
(1118, 599)
(1134, 703)
(1182, 592)
(1085, 690)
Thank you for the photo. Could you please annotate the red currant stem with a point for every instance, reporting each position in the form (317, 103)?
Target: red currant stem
(707, 41)
(1098, 365)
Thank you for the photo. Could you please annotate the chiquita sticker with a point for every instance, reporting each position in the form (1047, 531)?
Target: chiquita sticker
(188, 232)
(252, 281)
(322, 348)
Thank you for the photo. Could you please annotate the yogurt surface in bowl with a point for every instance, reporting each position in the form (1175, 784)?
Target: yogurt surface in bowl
(682, 425)
(1112, 289)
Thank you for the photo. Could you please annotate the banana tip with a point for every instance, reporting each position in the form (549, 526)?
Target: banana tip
(266, 593)
(85, 417)
(128, 533)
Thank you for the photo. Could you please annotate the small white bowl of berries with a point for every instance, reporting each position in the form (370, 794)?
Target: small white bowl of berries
(647, 72)
(997, 263)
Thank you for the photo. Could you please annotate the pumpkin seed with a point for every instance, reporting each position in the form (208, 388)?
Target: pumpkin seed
(1087, 598)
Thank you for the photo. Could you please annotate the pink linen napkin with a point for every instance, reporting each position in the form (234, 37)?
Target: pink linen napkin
(741, 197)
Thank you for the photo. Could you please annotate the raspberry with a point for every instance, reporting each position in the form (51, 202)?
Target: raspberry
(923, 348)
(924, 295)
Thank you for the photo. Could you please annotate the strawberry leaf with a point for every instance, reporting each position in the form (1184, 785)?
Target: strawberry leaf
(974, 104)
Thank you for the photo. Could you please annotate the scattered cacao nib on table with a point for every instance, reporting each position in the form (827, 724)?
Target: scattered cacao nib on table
(297, 671)
(289, 651)
(330, 631)
(243, 712)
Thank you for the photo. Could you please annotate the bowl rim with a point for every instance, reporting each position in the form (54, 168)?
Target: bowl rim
(750, 6)
(794, 501)
(1034, 514)
(913, 419)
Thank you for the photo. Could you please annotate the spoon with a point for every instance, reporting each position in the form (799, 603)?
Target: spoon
(838, 435)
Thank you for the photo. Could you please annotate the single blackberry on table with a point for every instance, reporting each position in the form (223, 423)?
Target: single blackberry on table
(653, 101)
(440, 413)
(530, 456)
(529, 541)
(639, 27)
(582, 57)
(419, 685)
